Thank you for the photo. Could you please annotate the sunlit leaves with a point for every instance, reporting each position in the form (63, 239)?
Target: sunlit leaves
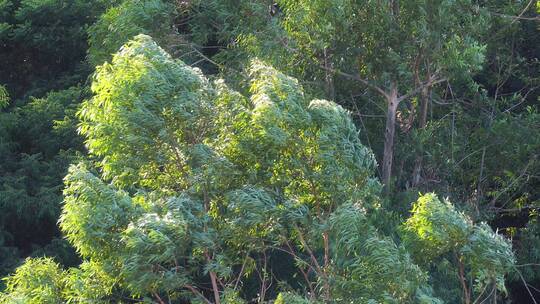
(370, 266)
(147, 107)
(4, 97)
(436, 229)
(197, 182)
(437, 226)
(230, 183)
(38, 280)
(94, 214)
(122, 22)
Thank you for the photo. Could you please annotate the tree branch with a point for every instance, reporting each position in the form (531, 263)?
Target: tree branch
(526, 285)
(308, 249)
(359, 79)
(198, 293)
(431, 82)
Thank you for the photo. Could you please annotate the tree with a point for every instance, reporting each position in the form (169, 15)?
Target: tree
(123, 21)
(38, 141)
(396, 50)
(437, 231)
(197, 185)
(270, 154)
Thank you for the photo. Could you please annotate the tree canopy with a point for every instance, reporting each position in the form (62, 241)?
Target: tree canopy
(218, 151)
(195, 200)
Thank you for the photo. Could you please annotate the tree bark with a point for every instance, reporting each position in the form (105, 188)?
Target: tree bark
(215, 287)
(329, 77)
(463, 280)
(424, 101)
(392, 103)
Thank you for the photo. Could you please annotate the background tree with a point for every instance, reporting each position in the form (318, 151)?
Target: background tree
(44, 44)
(395, 49)
(125, 20)
(38, 142)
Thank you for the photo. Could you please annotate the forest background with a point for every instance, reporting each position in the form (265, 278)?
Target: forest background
(444, 93)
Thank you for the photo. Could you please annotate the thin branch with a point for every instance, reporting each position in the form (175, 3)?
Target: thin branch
(533, 288)
(308, 249)
(520, 16)
(198, 293)
(359, 79)
(527, 265)
(512, 210)
(481, 293)
(433, 81)
(241, 271)
(526, 285)
(194, 48)
(489, 295)
(492, 203)
(158, 298)
(537, 18)
(295, 257)
(306, 277)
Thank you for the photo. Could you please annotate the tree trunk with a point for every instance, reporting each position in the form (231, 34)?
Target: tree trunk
(424, 101)
(329, 77)
(215, 287)
(463, 280)
(390, 130)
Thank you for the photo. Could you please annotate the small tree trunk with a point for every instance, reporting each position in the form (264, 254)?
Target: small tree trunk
(326, 265)
(329, 77)
(392, 105)
(215, 287)
(463, 280)
(424, 100)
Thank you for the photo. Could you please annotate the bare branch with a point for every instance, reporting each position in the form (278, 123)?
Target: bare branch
(198, 293)
(432, 81)
(526, 285)
(359, 79)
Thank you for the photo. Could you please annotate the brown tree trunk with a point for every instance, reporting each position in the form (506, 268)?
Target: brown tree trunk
(329, 77)
(215, 287)
(390, 130)
(463, 280)
(424, 101)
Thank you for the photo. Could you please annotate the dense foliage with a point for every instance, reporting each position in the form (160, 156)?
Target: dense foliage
(157, 151)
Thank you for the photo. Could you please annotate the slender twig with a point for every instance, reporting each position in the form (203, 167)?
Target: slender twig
(481, 293)
(527, 265)
(308, 249)
(198, 293)
(359, 79)
(526, 285)
(537, 18)
(431, 82)
(306, 277)
(489, 295)
(492, 203)
(241, 271)
(158, 298)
